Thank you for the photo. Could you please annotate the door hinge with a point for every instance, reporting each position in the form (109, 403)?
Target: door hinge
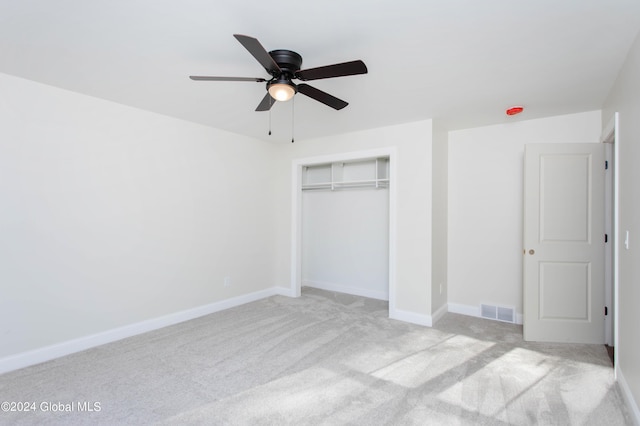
(606, 165)
(606, 238)
(606, 311)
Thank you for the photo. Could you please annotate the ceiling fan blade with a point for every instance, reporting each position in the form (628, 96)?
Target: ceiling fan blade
(266, 103)
(330, 71)
(260, 53)
(321, 96)
(207, 78)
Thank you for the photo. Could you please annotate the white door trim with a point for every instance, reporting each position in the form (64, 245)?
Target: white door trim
(296, 212)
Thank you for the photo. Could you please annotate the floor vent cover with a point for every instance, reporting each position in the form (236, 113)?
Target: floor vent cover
(499, 313)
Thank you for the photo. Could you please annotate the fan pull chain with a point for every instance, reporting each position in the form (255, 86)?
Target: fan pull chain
(293, 104)
(270, 105)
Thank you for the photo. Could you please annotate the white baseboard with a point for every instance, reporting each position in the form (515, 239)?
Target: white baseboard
(284, 291)
(356, 291)
(411, 317)
(439, 313)
(628, 397)
(474, 311)
(518, 318)
(47, 353)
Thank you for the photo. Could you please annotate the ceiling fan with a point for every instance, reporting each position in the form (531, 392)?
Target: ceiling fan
(284, 66)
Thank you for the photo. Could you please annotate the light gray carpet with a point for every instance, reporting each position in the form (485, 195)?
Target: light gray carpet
(325, 358)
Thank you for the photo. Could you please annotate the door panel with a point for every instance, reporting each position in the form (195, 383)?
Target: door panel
(564, 198)
(564, 243)
(560, 282)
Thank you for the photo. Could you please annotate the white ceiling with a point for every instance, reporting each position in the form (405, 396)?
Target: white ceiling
(460, 61)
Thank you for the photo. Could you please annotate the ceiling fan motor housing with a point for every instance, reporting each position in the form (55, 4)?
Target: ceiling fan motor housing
(288, 61)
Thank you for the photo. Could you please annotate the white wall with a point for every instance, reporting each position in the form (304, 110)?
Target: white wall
(345, 241)
(625, 99)
(111, 215)
(486, 205)
(413, 240)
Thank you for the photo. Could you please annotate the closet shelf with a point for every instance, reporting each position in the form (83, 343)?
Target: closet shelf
(378, 183)
(364, 173)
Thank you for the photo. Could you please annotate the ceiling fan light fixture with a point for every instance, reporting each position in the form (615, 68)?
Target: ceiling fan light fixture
(282, 91)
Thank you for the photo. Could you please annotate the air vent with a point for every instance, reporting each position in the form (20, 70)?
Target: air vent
(498, 313)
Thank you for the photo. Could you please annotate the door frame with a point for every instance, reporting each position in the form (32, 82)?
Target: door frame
(610, 136)
(296, 212)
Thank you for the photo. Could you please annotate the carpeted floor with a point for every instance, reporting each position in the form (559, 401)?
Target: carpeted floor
(324, 358)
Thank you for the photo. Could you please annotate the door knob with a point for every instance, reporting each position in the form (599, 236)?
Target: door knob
(532, 251)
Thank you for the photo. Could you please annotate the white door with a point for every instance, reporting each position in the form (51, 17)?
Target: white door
(564, 243)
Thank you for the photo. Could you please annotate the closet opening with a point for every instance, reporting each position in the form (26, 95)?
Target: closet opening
(344, 224)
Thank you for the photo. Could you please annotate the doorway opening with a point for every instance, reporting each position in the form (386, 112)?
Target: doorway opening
(385, 174)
